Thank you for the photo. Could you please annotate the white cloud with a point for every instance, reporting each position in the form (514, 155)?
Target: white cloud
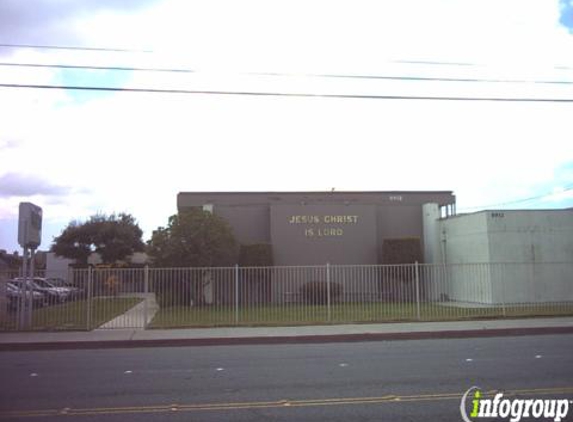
(134, 152)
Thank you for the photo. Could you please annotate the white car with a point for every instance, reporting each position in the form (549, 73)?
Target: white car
(15, 294)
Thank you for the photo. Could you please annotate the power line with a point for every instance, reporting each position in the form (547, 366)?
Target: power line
(134, 50)
(415, 78)
(467, 64)
(439, 63)
(520, 201)
(286, 94)
(279, 74)
(76, 48)
(127, 50)
(89, 67)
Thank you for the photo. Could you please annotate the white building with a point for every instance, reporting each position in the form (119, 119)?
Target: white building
(530, 254)
(59, 267)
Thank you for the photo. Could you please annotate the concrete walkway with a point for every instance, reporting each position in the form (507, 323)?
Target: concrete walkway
(137, 317)
(110, 338)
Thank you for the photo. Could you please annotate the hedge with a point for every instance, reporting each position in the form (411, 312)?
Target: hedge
(256, 255)
(316, 292)
(406, 250)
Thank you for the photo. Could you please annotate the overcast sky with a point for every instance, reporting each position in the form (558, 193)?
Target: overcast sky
(76, 153)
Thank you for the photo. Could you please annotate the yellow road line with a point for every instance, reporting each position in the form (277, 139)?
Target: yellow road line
(176, 407)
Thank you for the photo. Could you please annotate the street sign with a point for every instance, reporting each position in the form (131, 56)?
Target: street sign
(30, 225)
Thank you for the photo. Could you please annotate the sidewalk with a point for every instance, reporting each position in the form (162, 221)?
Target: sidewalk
(123, 338)
(135, 317)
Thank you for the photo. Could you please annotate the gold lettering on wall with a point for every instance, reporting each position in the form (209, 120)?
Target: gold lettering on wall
(326, 219)
(324, 232)
(304, 219)
(311, 223)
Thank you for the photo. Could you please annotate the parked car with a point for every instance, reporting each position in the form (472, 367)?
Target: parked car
(75, 292)
(59, 282)
(15, 294)
(54, 295)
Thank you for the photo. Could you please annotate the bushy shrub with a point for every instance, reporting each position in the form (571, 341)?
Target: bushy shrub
(168, 294)
(406, 250)
(397, 282)
(316, 292)
(256, 255)
(175, 289)
(256, 278)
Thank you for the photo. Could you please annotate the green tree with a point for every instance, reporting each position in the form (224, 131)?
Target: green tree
(73, 243)
(113, 237)
(256, 284)
(193, 238)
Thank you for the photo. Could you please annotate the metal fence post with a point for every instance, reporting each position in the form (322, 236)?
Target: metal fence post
(145, 295)
(23, 302)
(501, 280)
(328, 310)
(89, 301)
(236, 294)
(417, 274)
(29, 298)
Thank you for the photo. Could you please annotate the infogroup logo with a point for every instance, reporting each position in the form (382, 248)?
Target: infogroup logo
(514, 409)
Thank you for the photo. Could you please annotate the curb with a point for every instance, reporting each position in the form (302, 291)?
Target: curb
(303, 339)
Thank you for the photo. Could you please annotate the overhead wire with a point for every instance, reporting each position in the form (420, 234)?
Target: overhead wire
(520, 201)
(284, 94)
(91, 67)
(149, 51)
(271, 74)
(282, 74)
(75, 48)
(287, 94)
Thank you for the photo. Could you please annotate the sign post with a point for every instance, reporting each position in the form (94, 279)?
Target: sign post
(29, 237)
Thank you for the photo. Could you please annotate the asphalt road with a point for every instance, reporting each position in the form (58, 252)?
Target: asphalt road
(416, 380)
